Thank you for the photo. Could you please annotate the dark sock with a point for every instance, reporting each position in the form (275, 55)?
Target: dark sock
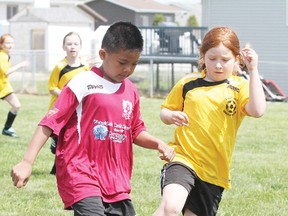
(10, 119)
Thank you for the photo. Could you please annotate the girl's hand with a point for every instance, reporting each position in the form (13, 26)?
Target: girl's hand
(250, 58)
(24, 64)
(179, 118)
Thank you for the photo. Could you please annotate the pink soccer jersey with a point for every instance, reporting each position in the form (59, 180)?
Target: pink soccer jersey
(96, 122)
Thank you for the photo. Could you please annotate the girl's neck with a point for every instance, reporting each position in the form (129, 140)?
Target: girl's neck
(73, 62)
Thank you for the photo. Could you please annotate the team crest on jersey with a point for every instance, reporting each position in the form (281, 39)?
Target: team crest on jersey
(100, 132)
(52, 111)
(127, 109)
(230, 108)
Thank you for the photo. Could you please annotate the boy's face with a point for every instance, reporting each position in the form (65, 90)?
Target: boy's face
(117, 66)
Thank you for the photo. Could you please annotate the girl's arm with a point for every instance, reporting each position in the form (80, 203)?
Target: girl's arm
(257, 103)
(16, 67)
(146, 140)
(21, 172)
(174, 117)
(55, 92)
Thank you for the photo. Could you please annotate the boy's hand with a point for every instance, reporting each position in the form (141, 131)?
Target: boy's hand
(167, 152)
(21, 173)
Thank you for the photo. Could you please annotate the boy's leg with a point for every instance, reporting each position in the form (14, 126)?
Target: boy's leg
(53, 146)
(121, 208)
(92, 206)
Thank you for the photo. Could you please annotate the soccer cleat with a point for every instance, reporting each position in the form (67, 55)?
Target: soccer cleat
(9, 132)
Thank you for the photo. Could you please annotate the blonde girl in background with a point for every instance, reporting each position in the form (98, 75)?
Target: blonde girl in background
(63, 72)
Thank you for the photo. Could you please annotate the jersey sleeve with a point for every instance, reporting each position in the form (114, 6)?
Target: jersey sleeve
(5, 64)
(244, 95)
(138, 123)
(53, 82)
(54, 78)
(60, 113)
(174, 100)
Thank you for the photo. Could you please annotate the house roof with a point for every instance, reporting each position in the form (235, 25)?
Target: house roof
(52, 15)
(92, 13)
(145, 6)
(52, 2)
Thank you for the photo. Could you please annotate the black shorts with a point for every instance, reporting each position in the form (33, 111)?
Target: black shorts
(94, 206)
(203, 198)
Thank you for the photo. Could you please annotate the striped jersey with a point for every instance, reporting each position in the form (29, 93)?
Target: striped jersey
(61, 74)
(215, 111)
(96, 122)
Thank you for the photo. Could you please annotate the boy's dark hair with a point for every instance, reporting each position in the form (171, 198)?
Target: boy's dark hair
(122, 36)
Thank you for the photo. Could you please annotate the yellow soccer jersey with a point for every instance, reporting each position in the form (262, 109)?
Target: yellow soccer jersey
(215, 111)
(5, 87)
(61, 75)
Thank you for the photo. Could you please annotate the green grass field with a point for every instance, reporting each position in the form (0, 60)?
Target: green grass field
(259, 170)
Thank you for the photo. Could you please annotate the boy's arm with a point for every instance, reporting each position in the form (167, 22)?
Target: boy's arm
(146, 140)
(21, 172)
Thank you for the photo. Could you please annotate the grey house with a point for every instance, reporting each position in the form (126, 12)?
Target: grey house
(263, 24)
(139, 12)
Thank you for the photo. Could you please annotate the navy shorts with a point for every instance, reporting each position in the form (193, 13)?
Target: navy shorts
(94, 206)
(203, 198)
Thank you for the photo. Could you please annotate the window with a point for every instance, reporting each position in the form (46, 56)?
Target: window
(37, 39)
(144, 20)
(11, 11)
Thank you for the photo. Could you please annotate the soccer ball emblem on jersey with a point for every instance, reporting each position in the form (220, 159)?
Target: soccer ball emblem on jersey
(230, 108)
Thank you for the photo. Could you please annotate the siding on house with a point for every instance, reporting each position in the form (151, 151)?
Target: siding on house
(140, 12)
(262, 23)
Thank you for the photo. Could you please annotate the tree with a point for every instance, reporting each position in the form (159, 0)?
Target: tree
(158, 18)
(192, 21)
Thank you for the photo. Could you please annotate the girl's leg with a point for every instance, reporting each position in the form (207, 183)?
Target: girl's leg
(173, 200)
(15, 106)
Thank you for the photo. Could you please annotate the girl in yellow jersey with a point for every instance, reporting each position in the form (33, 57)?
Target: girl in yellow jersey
(208, 111)
(64, 71)
(6, 90)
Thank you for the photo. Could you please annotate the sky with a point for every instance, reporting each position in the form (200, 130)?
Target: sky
(179, 1)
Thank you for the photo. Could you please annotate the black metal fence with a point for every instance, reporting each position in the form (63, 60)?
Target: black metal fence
(172, 41)
(165, 48)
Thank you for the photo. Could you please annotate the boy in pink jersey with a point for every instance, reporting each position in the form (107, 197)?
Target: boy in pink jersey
(97, 119)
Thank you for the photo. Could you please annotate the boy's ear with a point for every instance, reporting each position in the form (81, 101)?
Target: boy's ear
(102, 54)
